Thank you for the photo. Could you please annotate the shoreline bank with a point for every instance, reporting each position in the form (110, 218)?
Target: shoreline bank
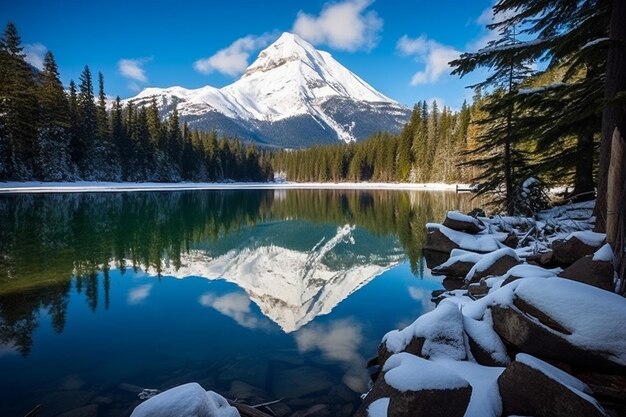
(86, 186)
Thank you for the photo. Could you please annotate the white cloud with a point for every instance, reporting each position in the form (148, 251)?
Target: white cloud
(434, 56)
(137, 295)
(236, 306)
(344, 25)
(34, 54)
(233, 60)
(338, 341)
(133, 69)
(488, 17)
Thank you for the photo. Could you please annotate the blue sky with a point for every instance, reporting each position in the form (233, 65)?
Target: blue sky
(399, 47)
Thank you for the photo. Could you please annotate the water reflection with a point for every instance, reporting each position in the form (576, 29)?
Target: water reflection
(292, 252)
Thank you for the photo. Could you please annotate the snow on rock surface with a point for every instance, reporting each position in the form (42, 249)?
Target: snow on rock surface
(484, 242)
(580, 308)
(378, 408)
(188, 400)
(488, 260)
(485, 400)
(572, 383)
(605, 254)
(482, 332)
(588, 237)
(441, 328)
(406, 372)
(583, 310)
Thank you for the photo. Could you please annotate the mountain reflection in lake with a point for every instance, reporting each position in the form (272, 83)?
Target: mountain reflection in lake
(258, 295)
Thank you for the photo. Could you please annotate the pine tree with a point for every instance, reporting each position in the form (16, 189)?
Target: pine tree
(18, 110)
(88, 126)
(54, 123)
(504, 169)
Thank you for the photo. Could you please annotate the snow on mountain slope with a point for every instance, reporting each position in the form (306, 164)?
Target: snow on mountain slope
(290, 86)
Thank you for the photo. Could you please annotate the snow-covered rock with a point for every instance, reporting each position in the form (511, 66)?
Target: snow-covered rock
(576, 245)
(497, 262)
(559, 319)
(188, 400)
(443, 239)
(418, 387)
(593, 271)
(530, 386)
(458, 265)
(437, 334)
(463, 223)
(292, 90)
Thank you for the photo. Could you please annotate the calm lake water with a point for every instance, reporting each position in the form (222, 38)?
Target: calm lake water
(258, 295)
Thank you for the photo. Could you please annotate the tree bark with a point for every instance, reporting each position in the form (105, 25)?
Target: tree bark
(612, 191)
(614, 114)
(583, 177)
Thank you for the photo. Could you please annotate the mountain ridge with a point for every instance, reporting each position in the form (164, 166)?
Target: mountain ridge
(292, 95)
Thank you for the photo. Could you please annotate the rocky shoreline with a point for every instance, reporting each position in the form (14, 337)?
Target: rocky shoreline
(528, 324)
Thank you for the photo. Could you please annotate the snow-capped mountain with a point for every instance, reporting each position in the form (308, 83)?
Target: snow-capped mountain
(292, 96)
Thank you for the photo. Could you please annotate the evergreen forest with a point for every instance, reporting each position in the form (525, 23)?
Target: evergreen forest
(50, 134)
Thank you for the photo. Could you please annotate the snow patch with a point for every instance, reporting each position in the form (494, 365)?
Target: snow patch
(605, 253)
(406, 372)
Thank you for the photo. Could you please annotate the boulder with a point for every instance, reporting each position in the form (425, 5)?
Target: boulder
(414, 387)
(575, 246)
(458, 265)
(534, 332)
(531, 387)
(436, 334)
(463, 223)
(484, 343)
(598, 273)
(493, 264)
(438, 242)
(443, 239)
(511, 240)
(544, 259)
(451, 284)
(457, 268)
(477, 290)
(188, 400)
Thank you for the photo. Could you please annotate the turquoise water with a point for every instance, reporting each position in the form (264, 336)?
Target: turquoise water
(258, 295)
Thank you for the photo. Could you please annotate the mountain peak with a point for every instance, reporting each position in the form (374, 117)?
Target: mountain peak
(289, 47)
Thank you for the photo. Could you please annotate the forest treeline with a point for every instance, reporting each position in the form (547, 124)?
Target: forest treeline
(49, 134)
(430, 148)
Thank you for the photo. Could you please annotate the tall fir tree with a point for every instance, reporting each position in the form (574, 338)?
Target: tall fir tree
(18, 109)
(54, 125)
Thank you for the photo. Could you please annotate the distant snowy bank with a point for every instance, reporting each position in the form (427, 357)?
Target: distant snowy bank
(85, 186)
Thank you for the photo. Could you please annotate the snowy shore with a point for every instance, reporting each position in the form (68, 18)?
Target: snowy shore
(86, 186)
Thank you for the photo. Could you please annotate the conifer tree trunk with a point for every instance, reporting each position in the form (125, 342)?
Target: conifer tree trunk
(583, 177)
(613, 190)
(614, 116)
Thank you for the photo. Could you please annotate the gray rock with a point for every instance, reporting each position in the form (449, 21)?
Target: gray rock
(529, 392)
(61, 401)
(86, 411)
(299, 382)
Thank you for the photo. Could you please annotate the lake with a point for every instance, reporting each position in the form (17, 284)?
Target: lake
(259, 295)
